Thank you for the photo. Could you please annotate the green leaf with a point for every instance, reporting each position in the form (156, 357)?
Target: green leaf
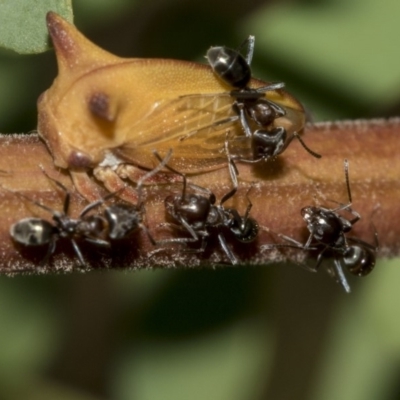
(23, 23)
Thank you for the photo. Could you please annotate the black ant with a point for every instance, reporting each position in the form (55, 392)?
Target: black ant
(197, 214)
(328, 230)
(118, 221)
(234, 69)
(251, 104)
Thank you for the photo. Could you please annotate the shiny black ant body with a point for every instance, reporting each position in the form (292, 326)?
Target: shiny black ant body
(198, 215)
(234, 69)
(118, 221)
(251, 104)
(328, 230)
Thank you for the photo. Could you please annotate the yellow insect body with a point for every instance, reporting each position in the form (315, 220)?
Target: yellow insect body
(103, 110)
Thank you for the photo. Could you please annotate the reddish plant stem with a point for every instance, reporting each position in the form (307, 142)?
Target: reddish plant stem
(279, 189)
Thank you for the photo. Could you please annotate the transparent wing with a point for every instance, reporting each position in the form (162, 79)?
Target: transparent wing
(188, 125)
(196, 128)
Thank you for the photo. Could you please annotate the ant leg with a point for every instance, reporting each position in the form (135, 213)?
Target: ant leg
(146, 230)
(295, 244)
(340, 276)
(174, 171)
(98, 242)
(270, 87)
(154, 171)
(357, 216)
(50, 251)
(195, 187)
(239, 109)
(233, 171)
(227, 250)
(98, 203)
(319, 260)
(113, 183)
(188, 227)
(185, 227)
(149, 175)
(78, 253)
(85, 185)
(163, 163)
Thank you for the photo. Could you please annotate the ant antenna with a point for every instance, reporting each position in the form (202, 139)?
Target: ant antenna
(313, 153)
(270, 87)
(61, 186)
(233, 171)
(346, 174)
(250, 204)
(48, 209)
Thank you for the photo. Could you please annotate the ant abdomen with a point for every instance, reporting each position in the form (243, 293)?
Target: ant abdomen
(229, 65)
(359, 259)
(32, 232)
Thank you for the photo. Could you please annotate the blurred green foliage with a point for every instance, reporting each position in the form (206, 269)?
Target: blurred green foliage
(277, 332)
(21, 23)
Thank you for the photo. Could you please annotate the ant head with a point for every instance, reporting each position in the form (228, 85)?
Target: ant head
(326, 226)
(308, 213)
(266, 144)
(123, 220)
(244, 229)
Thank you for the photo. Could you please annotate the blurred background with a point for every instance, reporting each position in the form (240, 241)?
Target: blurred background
(276, 332)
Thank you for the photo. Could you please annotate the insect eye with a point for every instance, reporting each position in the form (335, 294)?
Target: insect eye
(78, 159)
